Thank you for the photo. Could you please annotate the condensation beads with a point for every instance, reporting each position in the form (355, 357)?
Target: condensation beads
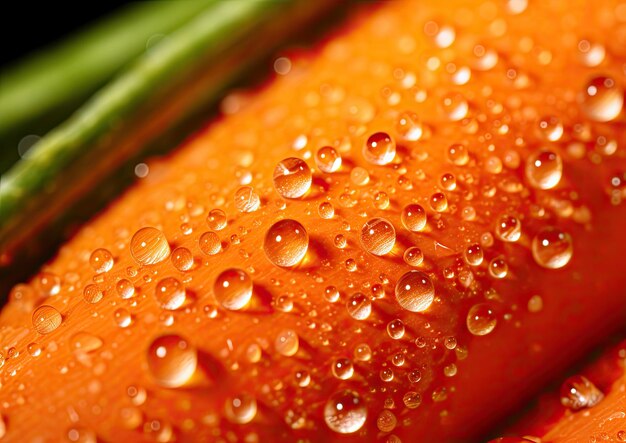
(292, 177)
(286, 243)
(415, 291)
(233, 289)
(378, 236)
(149, 246)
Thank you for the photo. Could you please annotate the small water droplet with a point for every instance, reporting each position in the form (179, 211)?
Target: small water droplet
(246, 200)
(386, 421)
(122, 318)
(552, 248)
(551, 128)
(216, 219)
(48, 284)
(415, 291)
(46, 319)
(474, 255)
(287, 342)
(455, 106)
(438, 202)
(182, 259)
(240, 409)
(342, 368)
(508, 228)
(413, 217)
(326, 210)
(577, 392)
(331, 294)
(378, 236)
(415, 375)
(345, 412)
(303, 378)
(413, 256)
(149, 246)
(85, 342)
(328, 159)
(92, 294)
(602, 99)
(172, 360)
(458, 154)
(363, 352)
(360, 177)
(359, 306)
(170, 293)
(34, 349)
(292, 177)
(395, 329)
(409, 126)
(286, 243)
(125, 289)
(101, 260)
(210, 243)
(481, 320)
(498, 267)
(412, 400)
(233, 289)
(381, 200)
(380, 149)
(544, 169)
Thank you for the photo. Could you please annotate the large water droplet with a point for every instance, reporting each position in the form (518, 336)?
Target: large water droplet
(481, 320)
(287, 342)
(101, 260)
(170, 293)
(508, 228)
(342, 368)
(345, 412)
(552, 248)
(292, 177)
(46, 319)
(413, 217)
(149, 246)
(240, 409)
(378, 236)
(577, 392)
(544, 169)
(602, 99)
(286, 243)
(172, 360)
(182, 259)
(415, 291)
(359, 306)
(380, 149)
(233, 288)
(216, 219)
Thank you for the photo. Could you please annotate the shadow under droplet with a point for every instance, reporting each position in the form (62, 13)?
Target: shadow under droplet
(261, 301)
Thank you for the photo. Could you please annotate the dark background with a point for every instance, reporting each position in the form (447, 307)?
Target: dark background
(30, 26)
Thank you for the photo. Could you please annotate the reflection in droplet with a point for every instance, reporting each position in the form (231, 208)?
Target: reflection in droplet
(172, 360)
(286, 243)
(345, 412)
(149, 246)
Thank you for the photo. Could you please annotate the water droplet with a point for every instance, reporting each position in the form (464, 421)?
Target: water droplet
(101, 260)
(182, 259)
(240, 409)
(246, 200)
(498, 268)
(381, 200)
(342, 368)
(442, 35)
(380, 149)
(395, 329)
(149, 246)
(233, 289)
(415, 291)
(92, 294)
(46, 319)
(413, 217)
(378, 236)
(172, 360)
(508, 228)
(386, 375)
(363, 352)
(122, 318)
(48, 284)
(409, 126)
(287, 342)
(413, 256)
(340, 241)
(345, 412)
(602, 99)
(544, 169)
(360, 177)
(286, 243)
(85, 342)
(292, 177)
(455, 106)
(474, 255)
(438, 202)
(577, 392)
(458, 154)
(412, 400)
(415, 375)
(359, 306)
(216, 219)
(125, 289)
(552, 248)
(551, 128)
(386, 421)
(331, 294)
(328, 159)
(210, 243)
(303, 378)
(81, 435)
(326, 210)
(591, 54)
(170, 293)
(481, 320)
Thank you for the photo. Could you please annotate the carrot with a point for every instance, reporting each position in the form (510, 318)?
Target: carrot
(253, 286)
